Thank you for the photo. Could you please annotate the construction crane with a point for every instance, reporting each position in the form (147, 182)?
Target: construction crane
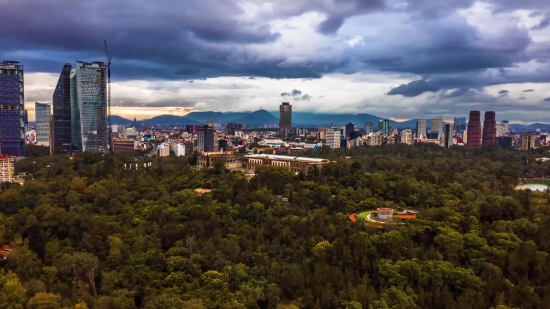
(109, 129)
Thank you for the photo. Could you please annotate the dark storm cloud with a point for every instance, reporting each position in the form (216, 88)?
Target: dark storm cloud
(546, 100)
(528, 90)
(504, 91)
(293, 93)
(414, 88)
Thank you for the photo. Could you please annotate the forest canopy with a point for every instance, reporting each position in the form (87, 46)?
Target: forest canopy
(88, 233)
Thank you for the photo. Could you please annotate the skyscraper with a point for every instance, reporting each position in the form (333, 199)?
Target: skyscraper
(459, 125)
(12, 109)
(205, 139)
(350, 127)
(437, 127)
(384, 126)
(407, 137)
(285, 118)
(61, 126)
(489, 129)
(88, 96)
(421, 128)
(474, 129)
(42, 112)
(448, 135)
(333, 137)
(369, 128)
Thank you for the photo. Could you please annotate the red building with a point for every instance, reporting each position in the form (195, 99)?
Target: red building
(474, 129)
(489, 129)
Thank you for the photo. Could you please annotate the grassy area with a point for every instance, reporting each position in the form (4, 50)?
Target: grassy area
(363, 215)
(538, 181)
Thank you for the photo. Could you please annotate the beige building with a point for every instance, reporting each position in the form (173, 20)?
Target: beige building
(233, 161)
(528, 141)
(294, 164)
(407, 137)
(6, 169)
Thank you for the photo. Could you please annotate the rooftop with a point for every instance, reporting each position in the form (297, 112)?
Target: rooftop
(286, 158)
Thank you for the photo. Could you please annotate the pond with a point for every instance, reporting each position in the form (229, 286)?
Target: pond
(535, 185)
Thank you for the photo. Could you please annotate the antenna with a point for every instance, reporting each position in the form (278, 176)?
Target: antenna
(108, 94)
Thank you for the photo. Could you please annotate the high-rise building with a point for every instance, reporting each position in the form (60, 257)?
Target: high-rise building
(369, 128)
(502, 128)
(6, 169)
(474, 129)
(407, 137)
(12, 109)
(333, 137)
(234, 127)
(489, 129)
(448, 133)
(437, 127)
(350, 127)
(459, 125)
(89, 106)
(528, 141)
(505, 142)
(285, 118)
(384, 126)
(210, 123)
(61, 126)
(421, 128)
(42, 112)
(205, 139)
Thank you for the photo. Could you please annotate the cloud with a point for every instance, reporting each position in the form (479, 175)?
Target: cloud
(543, 23)
(528, 90)
(414, 88)
(305, 97)
(546, 100)
(293, 93)
(504, 91)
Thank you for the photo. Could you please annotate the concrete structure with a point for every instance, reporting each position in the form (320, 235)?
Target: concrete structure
(407, 137)
(502, 128)
(333, 138)
(12, 109)
(6, 169)
(163, 150)
(474, 129)
(293, 164)
(62, 113)
(384, 214)
(528, 141)
(437, 127)
(459, 125)
(178, 149)
(369, 128)
(124, 146)
(129, 133)
(89, 106)
(205, 139)
(489, 129)
(421, 128)
(233, 161)
(42, 112)
(285, 118)
(322, 134)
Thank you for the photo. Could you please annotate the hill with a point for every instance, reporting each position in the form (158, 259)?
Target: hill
(257, 118)
(170, 120)
(120, 121)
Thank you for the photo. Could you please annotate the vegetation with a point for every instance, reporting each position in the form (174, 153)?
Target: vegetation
(88, 233)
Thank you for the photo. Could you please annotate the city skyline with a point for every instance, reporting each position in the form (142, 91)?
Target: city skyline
(386, 58)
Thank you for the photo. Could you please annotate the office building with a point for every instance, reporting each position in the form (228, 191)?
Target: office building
(459, 125)
(322, 134)
(384, 126)
(505, 142)
(421, 128)
(178, 149)
(6, 169)
(89, 106)
(407, 137)
(124, 146)
(369, 128)
(12, 109)
(528, 141)
(489, 129)
(210, 123)
(232, 128)
(448, 135)
(350, 127)
(61, 124)
(474, 129)
(437, 127)
(502, 128)
(285, 118)
(205, 139)
(42, 112)
(333, 138)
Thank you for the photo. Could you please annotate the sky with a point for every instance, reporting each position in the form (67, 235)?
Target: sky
(399, 59)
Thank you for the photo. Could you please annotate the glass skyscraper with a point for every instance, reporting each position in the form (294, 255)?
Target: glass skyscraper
(12, 109)
(42, 112)
(62, 112)
(459, 125)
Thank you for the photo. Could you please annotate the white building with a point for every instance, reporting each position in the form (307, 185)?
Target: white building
(407, 137)
(333, 137)
(6, 169)
(178, 149)
(421, 128)
(437, 127)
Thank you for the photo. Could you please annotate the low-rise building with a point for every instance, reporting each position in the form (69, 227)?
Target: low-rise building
(124, 146)
(233, 160)
(294, 164)
(6, 169)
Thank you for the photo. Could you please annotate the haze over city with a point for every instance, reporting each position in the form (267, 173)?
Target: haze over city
(393, 59)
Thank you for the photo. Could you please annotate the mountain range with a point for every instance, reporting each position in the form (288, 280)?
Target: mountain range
(299, 119)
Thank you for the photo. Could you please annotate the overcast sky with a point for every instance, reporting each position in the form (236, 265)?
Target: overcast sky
(395, 58)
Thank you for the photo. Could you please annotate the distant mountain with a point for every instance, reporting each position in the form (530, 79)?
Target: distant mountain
(170, 120)
(529, 127)
(217, 117)
(257, 118)
(120, 121)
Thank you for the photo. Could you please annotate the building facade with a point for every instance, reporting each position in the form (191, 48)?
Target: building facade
(384, 127)
(89, 106)
(61, 124)
(6, 169)
(489, 129)
(285, 118)
(333, 138)
(205, 139)
(474, 129)
(437, 127)
(407, 137)
(421, 128)
(293, 164)
(369, 128)
(350, 127)
(448, 135)
(42, 112)
(232, 128)
(12, 109)
(459, 125)
(124, 146)
(528, 141)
